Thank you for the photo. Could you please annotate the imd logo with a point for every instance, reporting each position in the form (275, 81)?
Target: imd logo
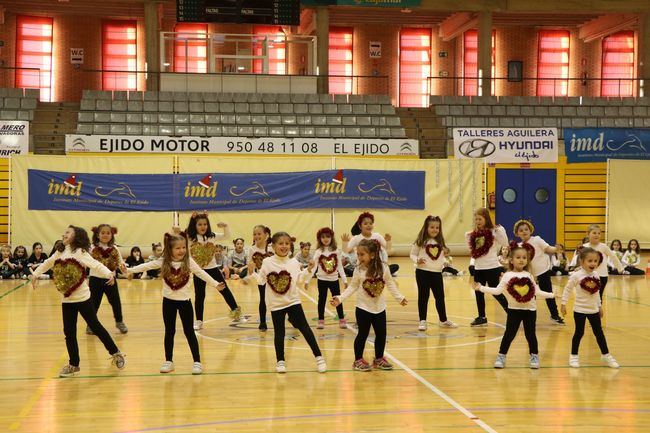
(205, 188)
(70, 187)
(336, 186)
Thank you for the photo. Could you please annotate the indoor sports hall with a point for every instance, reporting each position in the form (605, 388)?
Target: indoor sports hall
(324, 215)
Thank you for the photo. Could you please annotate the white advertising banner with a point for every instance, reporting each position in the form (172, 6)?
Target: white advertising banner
(75, 143)
(14, 138)
(518, 145)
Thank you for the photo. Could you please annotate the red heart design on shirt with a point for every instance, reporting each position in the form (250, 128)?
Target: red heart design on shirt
(280, 282)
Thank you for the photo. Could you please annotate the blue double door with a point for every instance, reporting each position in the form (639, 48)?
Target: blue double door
(530, 194)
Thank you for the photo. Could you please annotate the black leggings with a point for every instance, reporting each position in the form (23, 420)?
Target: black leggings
(450, 270)
(297, 318)
(99, 287)
(430, 280)
(490, 278)
(596, 326)
(515, 317)
(86, 308)
(184, 308)
(333, 287)
(366, 319)
(262, 306)
(544, 283)
(603, 283)
(556, 269)
(199, 292)
(633, 270)
(393, 268)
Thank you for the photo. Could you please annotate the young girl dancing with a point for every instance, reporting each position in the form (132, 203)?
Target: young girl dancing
(260, 250)
(631, 258)
(363, 229)
(176, 266)
(587, 305)
(428, 254)
(538, 251)
(372, 275)
(69, 263)
(202, 248)
(282, 275)
(328, 260)
(520, 289)
(484, 242)
(105, 251)
(594, 242)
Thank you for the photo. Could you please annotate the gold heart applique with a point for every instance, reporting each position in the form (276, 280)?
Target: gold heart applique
(373, 286)
(522, 289)
(258, 258)
(280, 282)
(69, 274)
(203, 253)
(177, 278)
(109, 257)
(433, 251)
(590, 284)
(328, 263)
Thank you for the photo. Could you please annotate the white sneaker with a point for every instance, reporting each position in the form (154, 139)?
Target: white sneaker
(447, 324)
(197, 368)
(167, 367)
(574, 361)
(609, 359)
(422, 326)
(534, 361)
(320, 364)
(500, 361)
(198, 324)
(281, 367)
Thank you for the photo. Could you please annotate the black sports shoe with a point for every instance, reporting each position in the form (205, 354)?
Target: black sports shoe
(479, 321)
(558, 320)
(262, 327)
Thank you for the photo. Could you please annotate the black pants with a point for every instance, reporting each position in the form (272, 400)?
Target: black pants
(298, 320)
(332, 286)
(393, 268)
(366, 319)
(603, 283)
(99, 287)
(349, 271)
(262, 306)
(184, 308)
(86, 308)
(450, 270)
(426, 281)
(242, 273)
(596, 326)
(634, 270)
(489, 277)
(545, 285)
(556, 269)
(515, 317)
(199, 292)
(153, 273)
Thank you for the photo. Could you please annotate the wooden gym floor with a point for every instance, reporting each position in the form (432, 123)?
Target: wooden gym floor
(443, 380)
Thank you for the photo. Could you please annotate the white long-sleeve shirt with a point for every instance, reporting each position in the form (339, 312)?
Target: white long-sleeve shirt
(273, 274)
(183, 293)
(106, 255)
(80, 258)
(490, 259)
(608, 254)
(265, 252)
(329, 265)
(631, 258)
(541, 261)
(203, 240)
(372, 304)
(429, 264)
(354, 242)
(585, 303)
(513, 304)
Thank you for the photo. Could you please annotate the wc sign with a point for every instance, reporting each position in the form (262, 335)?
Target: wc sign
(77, 56)
(375, 50)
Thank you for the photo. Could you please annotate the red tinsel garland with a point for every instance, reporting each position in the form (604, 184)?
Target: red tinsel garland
(280, 282)
(485, 238)
(521, 282)
(590, 284)
(178, 279)
(433, 251)
(328, 263)
(69, 275)
(373, 286)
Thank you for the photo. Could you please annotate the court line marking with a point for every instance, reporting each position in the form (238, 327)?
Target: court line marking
(420, 379)
(38, 393)
(9, 292)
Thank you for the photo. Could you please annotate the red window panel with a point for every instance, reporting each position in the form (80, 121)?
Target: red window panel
(618, 65)
(119, 53)
(277, 49)
(340, 60)
(414, 67)
(34, 50)
(553, 63)
(470, 62)
(191, 47)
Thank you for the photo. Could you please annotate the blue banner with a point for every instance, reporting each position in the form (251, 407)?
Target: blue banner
(51, 190)
(601, 144)
(369, 189)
